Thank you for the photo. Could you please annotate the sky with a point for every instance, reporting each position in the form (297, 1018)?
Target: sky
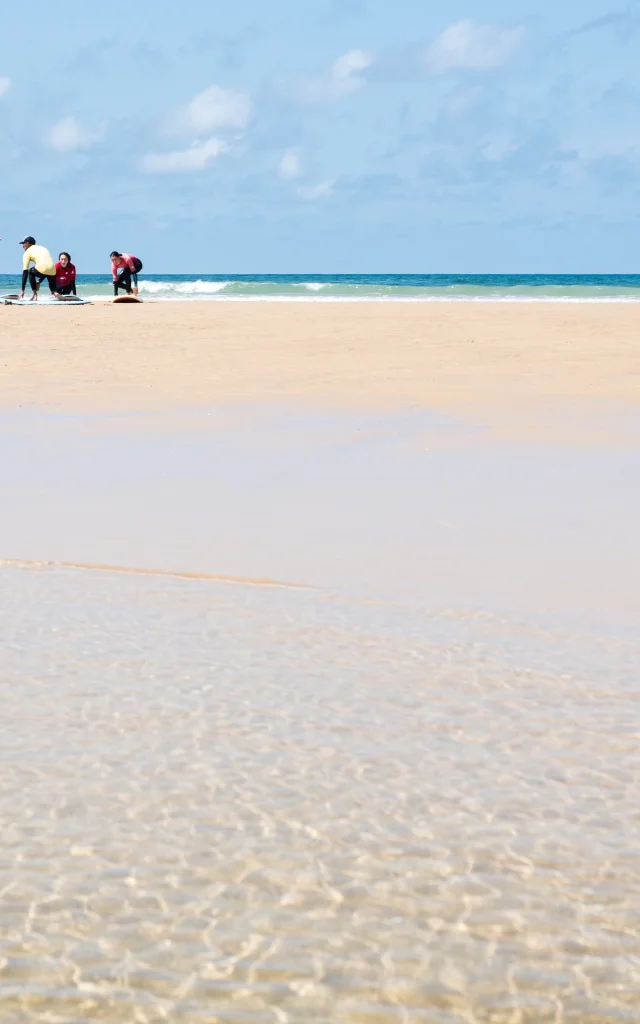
(326, 136)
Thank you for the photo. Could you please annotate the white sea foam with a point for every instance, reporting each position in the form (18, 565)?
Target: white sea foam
(317, 291)
(173, 296)
(184, 287)
(153, 287)
(201, 287)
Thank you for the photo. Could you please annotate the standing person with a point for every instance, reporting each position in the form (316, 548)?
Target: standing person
(65, 275)
(125, 269)
(43, 268)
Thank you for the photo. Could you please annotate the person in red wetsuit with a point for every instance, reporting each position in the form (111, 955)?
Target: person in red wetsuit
(125, 269)
(65, 275)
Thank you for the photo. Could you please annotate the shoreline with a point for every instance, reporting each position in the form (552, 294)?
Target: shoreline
(137, 570)
(611, 300)
(347, 300)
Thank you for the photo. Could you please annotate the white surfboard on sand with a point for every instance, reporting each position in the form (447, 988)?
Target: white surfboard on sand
(66, 300)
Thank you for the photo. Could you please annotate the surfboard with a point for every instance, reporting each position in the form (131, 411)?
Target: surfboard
(127, 298)
(66, 300)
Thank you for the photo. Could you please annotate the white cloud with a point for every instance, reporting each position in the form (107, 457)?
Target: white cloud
(290, 166)
(210, 110)
(184, 161)
(349, 65)
(345, 77)
(68, 135)
(471, 47)
(321, 191)
(5, 84)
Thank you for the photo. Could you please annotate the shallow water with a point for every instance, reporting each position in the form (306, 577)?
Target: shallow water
(409, 794)
(408, 504)
(233, 803)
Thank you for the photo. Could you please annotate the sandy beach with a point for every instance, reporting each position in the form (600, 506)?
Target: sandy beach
(320, 560)
(404, 788)
(439, 355)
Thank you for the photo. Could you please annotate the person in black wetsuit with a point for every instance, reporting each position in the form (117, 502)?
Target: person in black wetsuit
(125, 269)
(44, 268)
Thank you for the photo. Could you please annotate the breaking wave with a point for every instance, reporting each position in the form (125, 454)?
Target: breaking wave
(364, 287)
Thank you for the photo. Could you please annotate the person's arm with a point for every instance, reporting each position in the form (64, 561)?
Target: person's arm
(73, 286)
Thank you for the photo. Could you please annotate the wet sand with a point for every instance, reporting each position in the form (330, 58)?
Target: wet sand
(406, 790)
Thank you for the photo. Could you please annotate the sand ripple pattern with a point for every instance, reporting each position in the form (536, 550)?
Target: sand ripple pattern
(224, 803)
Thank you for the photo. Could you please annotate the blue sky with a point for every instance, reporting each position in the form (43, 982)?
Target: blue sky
(324, 136)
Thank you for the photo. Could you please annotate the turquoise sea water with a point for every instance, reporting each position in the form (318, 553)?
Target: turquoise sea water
(407, 287)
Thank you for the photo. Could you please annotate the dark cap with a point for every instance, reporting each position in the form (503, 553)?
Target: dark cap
(28, 239)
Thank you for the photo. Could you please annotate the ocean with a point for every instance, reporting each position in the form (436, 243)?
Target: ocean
(366, 287)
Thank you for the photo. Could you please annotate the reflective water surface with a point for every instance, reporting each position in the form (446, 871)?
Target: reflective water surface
(406, 503)
(225, 803)
(406, 791)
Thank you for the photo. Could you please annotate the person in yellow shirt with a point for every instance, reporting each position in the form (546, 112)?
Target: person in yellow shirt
(43, 268)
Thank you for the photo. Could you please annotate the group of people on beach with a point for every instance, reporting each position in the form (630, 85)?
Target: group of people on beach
(38, 265)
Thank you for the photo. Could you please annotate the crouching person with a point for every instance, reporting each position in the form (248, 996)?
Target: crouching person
(125, 269)
(43, 269)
